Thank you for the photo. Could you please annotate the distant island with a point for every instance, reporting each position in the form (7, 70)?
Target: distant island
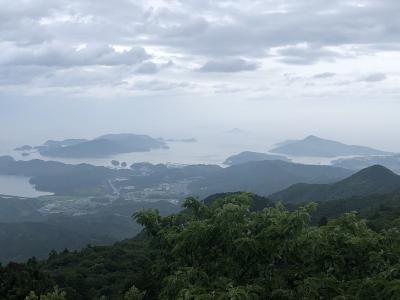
(187, 140)
(314, 146)
(235, 131)
(103, 146)
(248, 156)
(24, 148)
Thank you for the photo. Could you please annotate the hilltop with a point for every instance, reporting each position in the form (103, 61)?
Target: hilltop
(374, 180)
(318, 147)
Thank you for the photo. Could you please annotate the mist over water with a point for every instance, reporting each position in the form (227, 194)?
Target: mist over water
(260, 124)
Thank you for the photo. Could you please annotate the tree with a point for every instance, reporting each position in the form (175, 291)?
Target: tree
(57, 294)
(134, 294)
(115, 163)
(226, 251)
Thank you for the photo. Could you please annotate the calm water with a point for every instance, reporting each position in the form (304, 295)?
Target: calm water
(18, 186)
(205, 151)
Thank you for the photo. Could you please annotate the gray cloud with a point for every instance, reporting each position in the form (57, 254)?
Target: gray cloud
(160, 85)
(324, 75)
(66, 56)
(306, 55)
(375, 77)
(231, 65)
(150, 67)
(41, 37)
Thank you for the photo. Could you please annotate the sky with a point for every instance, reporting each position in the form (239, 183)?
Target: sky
(279, 69)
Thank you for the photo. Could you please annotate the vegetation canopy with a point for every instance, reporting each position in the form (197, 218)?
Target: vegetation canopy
(227, 251)
(224, 249)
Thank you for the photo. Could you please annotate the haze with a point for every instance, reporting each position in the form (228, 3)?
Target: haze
(275, 69)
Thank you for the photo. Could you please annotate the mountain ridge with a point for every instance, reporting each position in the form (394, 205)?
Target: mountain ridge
(372, 180)
(314, 146)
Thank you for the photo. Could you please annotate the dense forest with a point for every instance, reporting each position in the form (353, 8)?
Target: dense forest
(227, 248)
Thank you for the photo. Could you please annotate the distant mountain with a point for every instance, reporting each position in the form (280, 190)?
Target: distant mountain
(24, 148)
(21, 241)
(370, 181)
(391, 162)
(235, 131)
(317, 147)
(248, 156)
(26, 231)
(102, 146)
(264, 177)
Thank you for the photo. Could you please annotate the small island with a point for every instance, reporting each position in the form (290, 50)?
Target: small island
(248, 156)
(187, 140)
(24, 148)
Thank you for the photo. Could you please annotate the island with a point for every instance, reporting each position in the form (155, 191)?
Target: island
(313, 146)
(102, 146)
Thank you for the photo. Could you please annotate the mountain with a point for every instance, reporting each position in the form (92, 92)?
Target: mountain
(102, 146)
(27, 229)
(264, 177)
(391, 162)
(384, 207)
(248, 156)
(59, 178)
(317, 147)
(21, 241)
(374, 180)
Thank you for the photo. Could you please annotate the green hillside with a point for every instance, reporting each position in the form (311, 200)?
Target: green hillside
(375, 180)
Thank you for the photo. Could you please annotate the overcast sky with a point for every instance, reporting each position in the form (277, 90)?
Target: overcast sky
(284, 68)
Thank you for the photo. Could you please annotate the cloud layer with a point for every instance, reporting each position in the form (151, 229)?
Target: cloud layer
(208, 46)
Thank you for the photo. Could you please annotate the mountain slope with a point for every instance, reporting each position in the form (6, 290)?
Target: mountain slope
(369, 181)
(391, 162)
(264, 177)
(317, 147)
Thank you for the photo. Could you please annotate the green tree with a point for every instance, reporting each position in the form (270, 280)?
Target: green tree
(134, 294)
(227, 251)
(57, 294)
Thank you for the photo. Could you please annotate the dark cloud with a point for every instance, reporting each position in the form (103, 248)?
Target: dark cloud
(231, 65)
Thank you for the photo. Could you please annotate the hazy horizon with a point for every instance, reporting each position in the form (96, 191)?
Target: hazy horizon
(180, 69)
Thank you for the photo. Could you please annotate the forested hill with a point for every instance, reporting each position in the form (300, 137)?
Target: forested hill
(264, 177)
(375, 180)
(224, 250)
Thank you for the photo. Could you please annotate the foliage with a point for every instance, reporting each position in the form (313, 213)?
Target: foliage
(134, 294)
(18, 280)
(226, 251)
(100, 271)
(57, 294)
